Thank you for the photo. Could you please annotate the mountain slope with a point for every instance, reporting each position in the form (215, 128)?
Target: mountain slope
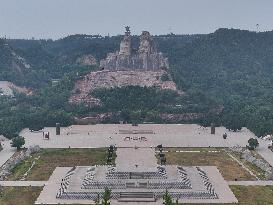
(234, 67)
(10, 60)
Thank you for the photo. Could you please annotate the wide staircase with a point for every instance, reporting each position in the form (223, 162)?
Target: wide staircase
(136, 197)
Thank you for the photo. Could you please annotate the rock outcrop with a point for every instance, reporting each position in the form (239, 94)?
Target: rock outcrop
(7, 88)
(116, 116)
(111, 79)
(185, 117)
(126, 67)
(145, 58)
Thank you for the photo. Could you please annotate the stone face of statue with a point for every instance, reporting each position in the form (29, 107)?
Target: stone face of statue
(145, 43)
(144, 46)
(145, 57)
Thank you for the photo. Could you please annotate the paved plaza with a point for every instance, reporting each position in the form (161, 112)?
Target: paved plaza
(136, 176)
(170, 135)
(129, 183)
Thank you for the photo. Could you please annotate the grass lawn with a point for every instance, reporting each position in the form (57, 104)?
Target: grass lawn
(19, 195)
(256, 170)
(226, 165)
(251, 195)
(48, 159)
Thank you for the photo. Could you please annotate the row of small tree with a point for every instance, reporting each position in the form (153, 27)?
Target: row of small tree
(106, 196)
(167, 199)
(110, 154)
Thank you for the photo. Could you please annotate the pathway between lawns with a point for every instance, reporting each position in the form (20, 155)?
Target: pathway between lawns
(265, 152)
(251, 183)
(6, 153)
(23, 183)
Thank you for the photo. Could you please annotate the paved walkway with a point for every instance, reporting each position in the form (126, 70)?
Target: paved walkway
(23, 183)
(7, 152)
(251, 183)
(48, 194)
(266, 153)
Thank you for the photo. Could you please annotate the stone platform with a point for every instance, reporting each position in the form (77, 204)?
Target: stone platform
(136, 160)
(83, 184)
(136, 178)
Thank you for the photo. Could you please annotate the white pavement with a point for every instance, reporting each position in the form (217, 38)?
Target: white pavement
(136, 160)
(265, 152)
(225, 195)
(170, 135)
(23, 183)
(48, 194)
(251, 183)
(7, 152)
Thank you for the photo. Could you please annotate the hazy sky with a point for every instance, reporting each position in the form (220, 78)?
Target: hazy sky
(58, 18)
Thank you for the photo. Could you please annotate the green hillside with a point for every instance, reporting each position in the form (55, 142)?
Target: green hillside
(229, 68)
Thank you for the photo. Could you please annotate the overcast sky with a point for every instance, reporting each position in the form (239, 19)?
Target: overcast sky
(58, 18)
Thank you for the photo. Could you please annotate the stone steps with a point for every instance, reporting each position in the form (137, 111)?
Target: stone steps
(136, 197)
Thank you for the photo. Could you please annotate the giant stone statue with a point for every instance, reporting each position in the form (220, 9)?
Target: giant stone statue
(145, 58)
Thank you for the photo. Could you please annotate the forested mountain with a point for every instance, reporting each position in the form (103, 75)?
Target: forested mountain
(233, 68)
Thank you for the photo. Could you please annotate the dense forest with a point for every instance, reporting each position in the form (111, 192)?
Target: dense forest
(229, 68)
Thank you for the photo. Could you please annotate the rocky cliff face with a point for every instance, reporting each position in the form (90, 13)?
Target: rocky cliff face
(7, 88)
(111, 79)
(126, 67)
(145, 58)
